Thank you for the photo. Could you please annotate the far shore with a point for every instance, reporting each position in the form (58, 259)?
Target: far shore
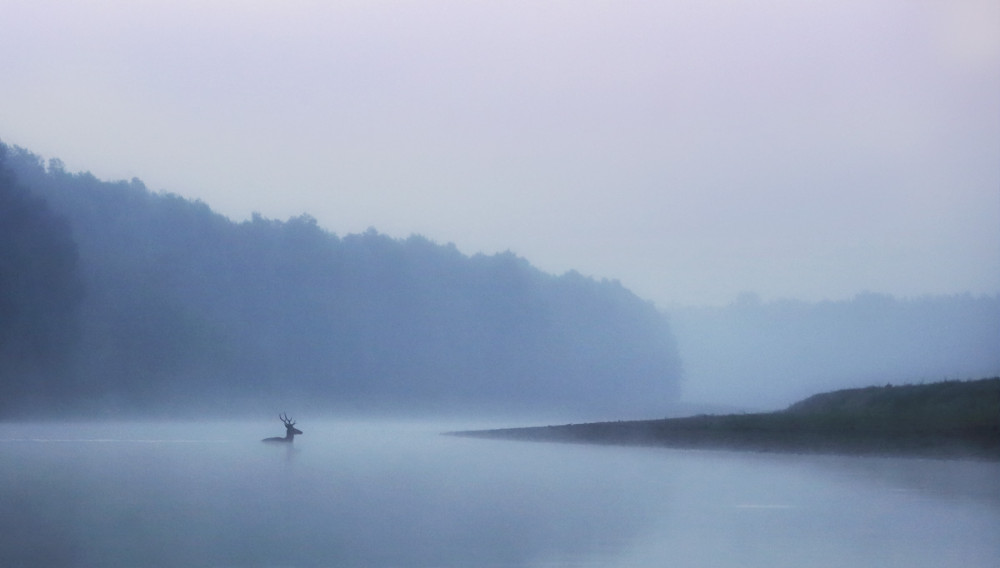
(947, 420)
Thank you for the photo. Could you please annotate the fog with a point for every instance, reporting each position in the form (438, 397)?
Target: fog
(691, 149)
(757, 355)
(517, 212)
(384, 493)
(151, 303)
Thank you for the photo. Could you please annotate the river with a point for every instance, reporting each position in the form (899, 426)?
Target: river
(379, 494)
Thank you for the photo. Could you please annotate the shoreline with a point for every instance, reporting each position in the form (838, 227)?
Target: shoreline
(949, 420)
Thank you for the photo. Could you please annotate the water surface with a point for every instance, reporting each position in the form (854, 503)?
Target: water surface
(394, 494)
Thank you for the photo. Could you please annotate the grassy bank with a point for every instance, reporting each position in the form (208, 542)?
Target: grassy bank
(953, 419)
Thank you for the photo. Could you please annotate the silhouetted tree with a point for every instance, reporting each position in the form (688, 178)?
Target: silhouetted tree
(40, 291)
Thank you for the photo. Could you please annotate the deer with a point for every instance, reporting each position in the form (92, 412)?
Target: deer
(290, 431)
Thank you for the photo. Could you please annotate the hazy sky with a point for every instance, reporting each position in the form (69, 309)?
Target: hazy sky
(691, 149)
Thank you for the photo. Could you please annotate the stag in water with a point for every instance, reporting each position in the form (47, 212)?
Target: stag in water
(290, 431)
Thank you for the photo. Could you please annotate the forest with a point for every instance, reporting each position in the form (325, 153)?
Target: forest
(119, 300)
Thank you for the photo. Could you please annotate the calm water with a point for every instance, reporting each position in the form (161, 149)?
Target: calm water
(400, 495)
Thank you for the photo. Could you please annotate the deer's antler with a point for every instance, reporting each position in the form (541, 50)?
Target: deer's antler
(286, 419)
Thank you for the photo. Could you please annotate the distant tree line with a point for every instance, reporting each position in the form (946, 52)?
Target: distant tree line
(765, 355)
(154, 302)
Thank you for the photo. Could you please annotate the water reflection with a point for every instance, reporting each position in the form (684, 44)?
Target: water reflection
(379, 494)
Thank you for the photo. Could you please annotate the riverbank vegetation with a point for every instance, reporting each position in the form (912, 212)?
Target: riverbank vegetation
(951, 419)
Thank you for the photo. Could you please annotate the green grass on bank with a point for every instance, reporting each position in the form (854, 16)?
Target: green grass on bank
(946, 419)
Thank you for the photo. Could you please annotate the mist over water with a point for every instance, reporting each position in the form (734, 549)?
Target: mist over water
(400, 494)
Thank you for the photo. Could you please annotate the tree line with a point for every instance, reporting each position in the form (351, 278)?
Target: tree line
(157, 303)
(765, 355)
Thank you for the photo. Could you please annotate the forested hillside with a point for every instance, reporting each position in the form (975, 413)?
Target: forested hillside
(181, 308)
(117, 299)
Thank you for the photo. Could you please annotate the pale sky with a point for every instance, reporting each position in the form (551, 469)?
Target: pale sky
(693, 150)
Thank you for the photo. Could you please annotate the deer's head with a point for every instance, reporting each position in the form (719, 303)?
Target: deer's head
(289, 425)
